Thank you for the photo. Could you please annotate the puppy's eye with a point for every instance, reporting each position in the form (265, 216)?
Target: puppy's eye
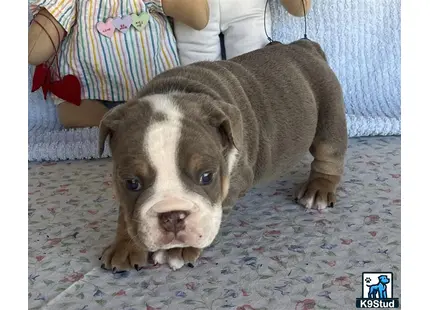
(206, 178)
(133, 185)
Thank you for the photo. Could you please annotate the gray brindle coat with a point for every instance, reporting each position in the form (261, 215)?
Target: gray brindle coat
(199, 136)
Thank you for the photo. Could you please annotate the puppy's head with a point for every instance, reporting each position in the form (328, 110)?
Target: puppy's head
(172, 160)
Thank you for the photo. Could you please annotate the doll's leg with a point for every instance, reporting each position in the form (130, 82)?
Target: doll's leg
(88, 114)
(247, 33)
(198, 45)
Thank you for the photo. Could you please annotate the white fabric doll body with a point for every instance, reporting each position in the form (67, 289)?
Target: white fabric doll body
(241, 21)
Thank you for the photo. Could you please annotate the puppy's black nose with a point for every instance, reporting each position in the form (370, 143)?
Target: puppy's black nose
(173, 221)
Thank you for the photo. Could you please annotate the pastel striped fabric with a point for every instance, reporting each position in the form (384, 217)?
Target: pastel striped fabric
(112, 69)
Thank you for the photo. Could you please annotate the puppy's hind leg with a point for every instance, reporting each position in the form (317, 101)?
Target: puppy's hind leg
(328, 149)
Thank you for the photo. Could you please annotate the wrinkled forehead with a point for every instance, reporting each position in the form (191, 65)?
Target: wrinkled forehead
(140, 121)
(162, 134)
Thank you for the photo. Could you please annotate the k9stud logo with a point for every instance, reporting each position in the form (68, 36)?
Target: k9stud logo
(377, 291)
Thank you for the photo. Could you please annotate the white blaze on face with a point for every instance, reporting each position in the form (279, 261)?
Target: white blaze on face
(161, 146)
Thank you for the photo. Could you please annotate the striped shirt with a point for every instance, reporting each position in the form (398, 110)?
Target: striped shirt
(115, 68)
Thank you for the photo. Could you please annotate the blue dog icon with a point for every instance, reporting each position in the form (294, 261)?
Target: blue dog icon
(379, 289)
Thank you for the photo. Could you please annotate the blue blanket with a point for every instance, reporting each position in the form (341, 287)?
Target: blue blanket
(362, 42)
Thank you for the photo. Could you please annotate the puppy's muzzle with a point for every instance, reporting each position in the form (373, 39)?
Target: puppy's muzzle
(179, 221)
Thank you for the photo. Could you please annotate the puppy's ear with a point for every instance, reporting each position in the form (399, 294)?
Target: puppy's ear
(109, 125)
(228, 120)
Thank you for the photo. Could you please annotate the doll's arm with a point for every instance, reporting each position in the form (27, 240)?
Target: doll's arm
(193, 13)
(52, 20)
(295, 7)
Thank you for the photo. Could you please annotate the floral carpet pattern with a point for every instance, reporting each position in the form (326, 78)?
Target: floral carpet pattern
(270, 253)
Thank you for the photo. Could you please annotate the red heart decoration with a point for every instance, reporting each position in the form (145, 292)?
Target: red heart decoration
(40, 74)
(68, 89)
(41, 78)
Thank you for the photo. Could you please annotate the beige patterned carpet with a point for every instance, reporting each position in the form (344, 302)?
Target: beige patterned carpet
(270, 254)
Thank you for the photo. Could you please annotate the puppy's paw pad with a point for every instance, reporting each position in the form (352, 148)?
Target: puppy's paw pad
(123, 255)
(160, 257)
(317, 194)
(172, 257)
(176, 258)
(190, 255)
(176, 263)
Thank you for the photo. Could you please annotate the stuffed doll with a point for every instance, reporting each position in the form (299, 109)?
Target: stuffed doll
(92, 55)
(243, 23)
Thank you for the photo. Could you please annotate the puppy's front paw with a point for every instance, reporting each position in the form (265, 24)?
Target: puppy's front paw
(318, 193)
(176, 258)
(123, 255)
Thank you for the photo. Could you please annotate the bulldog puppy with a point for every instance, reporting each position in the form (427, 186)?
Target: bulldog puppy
(199, 136)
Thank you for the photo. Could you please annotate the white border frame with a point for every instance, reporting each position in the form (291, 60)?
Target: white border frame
(415, 147)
